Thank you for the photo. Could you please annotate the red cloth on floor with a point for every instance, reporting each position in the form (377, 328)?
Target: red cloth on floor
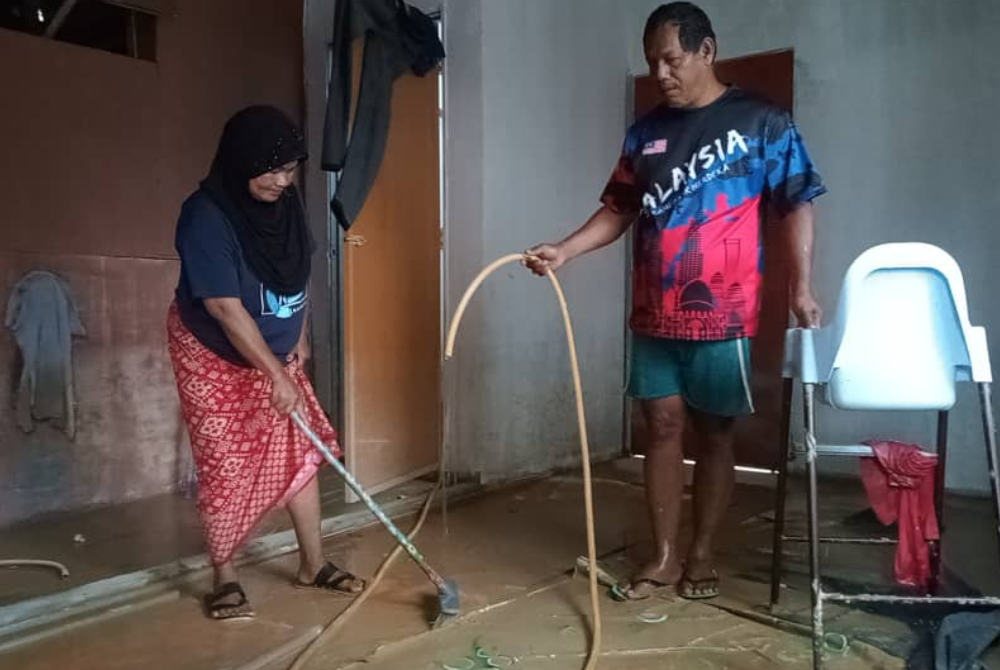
(900, 485)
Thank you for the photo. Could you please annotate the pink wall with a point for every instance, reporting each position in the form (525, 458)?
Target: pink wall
(100, 151)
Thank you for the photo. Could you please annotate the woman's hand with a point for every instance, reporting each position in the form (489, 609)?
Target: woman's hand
(245, 336)
(302, 351)
(285, 396)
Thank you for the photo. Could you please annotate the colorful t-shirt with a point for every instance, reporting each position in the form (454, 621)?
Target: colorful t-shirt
(700, 179)
(212, 266)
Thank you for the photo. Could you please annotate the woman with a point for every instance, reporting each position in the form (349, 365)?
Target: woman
(237, 333)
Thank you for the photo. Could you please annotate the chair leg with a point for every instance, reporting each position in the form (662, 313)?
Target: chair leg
(942, 453)
(815, 589)
(939, 491)
(777, 545)
(990, 430)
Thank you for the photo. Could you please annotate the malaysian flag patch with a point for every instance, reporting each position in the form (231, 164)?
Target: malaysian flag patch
(654, 147)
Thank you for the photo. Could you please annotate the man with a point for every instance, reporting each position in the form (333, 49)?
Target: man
(696, 175)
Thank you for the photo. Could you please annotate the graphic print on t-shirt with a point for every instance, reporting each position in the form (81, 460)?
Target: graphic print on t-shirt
(280, 306)
(698, 178)
(705, 295)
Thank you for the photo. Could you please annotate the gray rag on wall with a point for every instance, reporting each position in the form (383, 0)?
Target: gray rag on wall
(397, 38)
(43, 319)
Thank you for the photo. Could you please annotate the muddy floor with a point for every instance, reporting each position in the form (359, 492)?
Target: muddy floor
(512, 551)
(107, 541)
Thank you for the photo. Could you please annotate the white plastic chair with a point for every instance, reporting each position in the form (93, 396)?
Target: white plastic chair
(900, 340)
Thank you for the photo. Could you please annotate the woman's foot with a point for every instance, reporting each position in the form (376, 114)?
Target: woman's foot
(330, 578)
(227, 602)
(649, 579)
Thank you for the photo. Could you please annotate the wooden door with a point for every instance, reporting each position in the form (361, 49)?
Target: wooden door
(758, 440)
(392, 307)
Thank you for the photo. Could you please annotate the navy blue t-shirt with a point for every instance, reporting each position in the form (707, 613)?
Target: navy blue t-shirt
(212, 266)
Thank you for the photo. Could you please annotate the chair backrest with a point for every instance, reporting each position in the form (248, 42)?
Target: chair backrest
(901, 336)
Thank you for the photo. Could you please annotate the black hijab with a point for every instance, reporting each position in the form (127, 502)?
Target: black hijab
(274, 236)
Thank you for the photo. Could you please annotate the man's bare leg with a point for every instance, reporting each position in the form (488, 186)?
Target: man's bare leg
(664, 473)
(713, 486)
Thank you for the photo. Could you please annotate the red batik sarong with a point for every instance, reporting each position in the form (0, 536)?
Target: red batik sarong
(249, 458)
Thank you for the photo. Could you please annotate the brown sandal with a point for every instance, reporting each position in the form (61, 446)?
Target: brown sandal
(332, 578)
(220, 611)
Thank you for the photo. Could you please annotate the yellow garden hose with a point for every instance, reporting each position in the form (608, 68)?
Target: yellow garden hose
(344, 616)
(595, 644)
(595, 647)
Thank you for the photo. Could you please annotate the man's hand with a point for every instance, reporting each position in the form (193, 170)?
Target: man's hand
(545, 257)
(806, 309)
(601, 229)
(285, 396)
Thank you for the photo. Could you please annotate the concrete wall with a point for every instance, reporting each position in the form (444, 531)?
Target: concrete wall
(535, 112)
(101, 151)
(534, 119)
(897, 102)
(553, 85)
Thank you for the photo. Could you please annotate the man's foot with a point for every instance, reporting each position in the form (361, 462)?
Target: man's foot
(700, 581)
(227, 602)
(649, 580)
(331, 578)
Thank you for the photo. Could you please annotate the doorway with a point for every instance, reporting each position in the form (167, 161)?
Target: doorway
(392, 269)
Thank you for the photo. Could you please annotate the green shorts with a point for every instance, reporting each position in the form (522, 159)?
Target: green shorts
(713, 377)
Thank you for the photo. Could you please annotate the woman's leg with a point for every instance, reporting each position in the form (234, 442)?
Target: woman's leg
(225, 573)
(304, 509)
(227, 600)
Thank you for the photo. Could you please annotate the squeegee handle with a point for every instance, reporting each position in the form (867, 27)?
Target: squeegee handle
(369, 503)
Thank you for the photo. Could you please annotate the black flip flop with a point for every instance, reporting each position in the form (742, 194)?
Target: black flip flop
(695, 589)
(331, 578)
(228, 611)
